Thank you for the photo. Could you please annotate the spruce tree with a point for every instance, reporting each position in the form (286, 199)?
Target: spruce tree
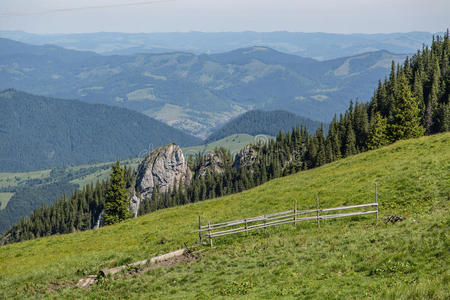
(432, 104)
(404, 122)
(116, 204)
(350, 140)
(377, 135)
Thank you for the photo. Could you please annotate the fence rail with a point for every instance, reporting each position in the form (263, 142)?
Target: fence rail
(280, 218)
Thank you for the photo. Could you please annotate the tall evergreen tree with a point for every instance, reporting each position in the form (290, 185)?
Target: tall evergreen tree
(404, 122)
(432, 104)
(350, 143)
(377, 135)
(116, 203)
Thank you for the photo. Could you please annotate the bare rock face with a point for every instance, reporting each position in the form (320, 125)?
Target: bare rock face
(166, 167)
(135, 201)
(213, 164)
(99, 222)
(246, 157)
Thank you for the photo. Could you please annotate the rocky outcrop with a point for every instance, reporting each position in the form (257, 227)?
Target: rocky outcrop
(246, 157)
(165, 167)
(99, 222)
(135, 201)
(214, 163)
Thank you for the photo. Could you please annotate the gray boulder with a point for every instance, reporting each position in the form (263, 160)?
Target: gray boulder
(165, 167)
(214, 163)
(246, 157)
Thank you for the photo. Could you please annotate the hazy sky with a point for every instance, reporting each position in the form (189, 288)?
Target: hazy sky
(341, 16)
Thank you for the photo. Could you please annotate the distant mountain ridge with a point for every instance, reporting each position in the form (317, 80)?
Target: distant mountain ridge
(196, 93)
(38, 132)
(318, 45)
(263, 122)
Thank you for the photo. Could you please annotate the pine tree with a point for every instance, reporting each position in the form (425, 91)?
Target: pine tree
(404, 122)
(321, 155)
(350, 140)
(432, 104)
(116, 204)
(377, 135)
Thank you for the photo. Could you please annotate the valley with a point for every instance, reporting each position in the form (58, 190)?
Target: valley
(197, 93)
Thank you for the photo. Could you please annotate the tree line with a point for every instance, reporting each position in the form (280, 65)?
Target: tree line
(413, 101)
(78, 212)
(256, 122)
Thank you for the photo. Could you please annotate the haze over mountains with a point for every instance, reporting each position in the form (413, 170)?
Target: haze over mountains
(196, 93)
(321, 46)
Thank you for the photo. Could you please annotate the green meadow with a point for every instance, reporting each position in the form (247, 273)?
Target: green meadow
(348, 258)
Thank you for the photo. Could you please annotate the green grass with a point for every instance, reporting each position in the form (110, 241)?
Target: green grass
(12, 180)
(4, 199)
(103, 174)
(353, 258)
(8, 179)
(234, 143)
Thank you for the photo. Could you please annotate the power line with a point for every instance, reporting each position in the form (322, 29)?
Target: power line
(57, 10)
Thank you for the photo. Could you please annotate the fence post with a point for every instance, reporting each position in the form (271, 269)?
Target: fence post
(209, 230)
(246, 231)
(318, 220)
(295, 213)
(200, 228)
(376, 197)
(265, 228)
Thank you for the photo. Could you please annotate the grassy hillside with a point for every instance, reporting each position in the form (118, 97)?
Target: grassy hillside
(347, 258)
(234, 143)
(4, 199)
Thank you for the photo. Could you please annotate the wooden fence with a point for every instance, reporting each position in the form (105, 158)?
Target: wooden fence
(285, 217)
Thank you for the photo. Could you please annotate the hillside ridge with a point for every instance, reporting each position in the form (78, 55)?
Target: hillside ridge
(199, 92)
(56, 132)
(411, 175)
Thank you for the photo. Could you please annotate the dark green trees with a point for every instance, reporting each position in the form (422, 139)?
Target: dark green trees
(116, 202)
(378, 133)
(404, 122)
(415, 97)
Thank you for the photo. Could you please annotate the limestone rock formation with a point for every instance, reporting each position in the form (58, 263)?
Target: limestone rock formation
(246, 157)
(214, 163)
(166, 167)
(134, 203)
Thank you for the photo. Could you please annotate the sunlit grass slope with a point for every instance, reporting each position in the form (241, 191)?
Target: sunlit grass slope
(234, 143)
(347, 258)
(4, 198)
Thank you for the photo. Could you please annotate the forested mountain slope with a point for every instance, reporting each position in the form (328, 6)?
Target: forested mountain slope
(256, 122)
(38, 132)
(196, 93)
